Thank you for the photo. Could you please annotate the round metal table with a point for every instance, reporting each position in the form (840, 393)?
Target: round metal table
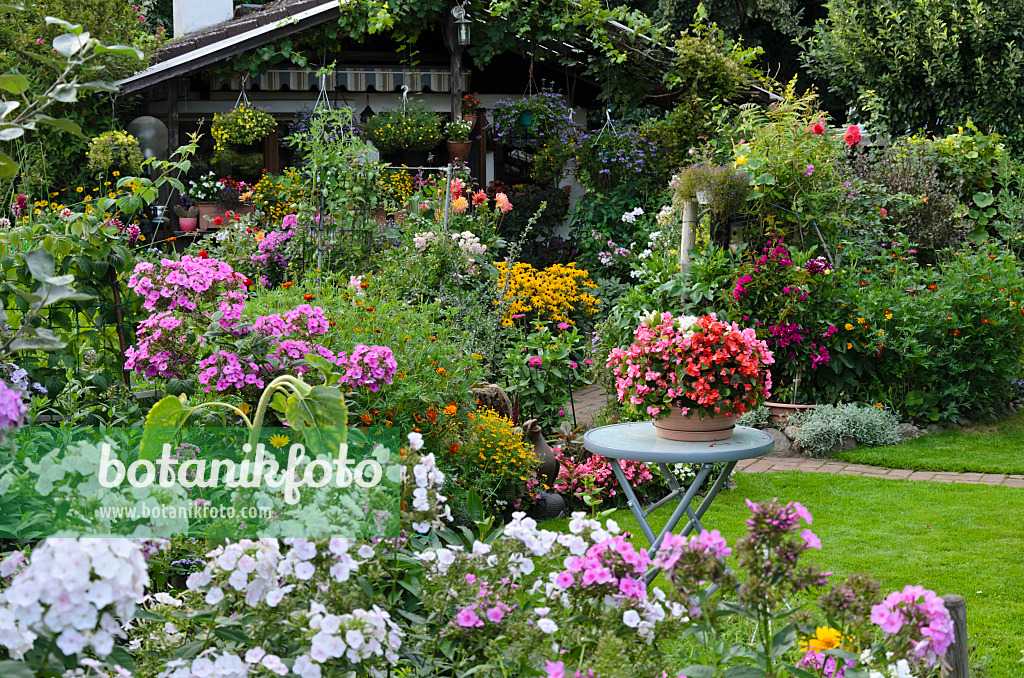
(640, 442)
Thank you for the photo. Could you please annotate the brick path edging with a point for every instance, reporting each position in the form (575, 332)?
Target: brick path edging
(768, 464)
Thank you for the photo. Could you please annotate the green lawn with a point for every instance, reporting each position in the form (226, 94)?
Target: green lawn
(982, 448)
(965, 539)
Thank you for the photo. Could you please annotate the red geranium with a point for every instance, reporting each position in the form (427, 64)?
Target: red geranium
(217, 221)
(852, 136)
(203, 254)
(818, 128)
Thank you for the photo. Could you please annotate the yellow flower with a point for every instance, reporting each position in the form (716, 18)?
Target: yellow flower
(825, 638)
(848, 326)
(741, 161)
(848, 346)
(888, 316)
(116, 173)
(278, 440)
(861, 321)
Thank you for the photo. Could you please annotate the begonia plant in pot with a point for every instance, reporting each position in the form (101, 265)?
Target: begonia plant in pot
(693, 375)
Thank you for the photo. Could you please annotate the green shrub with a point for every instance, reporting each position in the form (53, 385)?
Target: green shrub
(823, 428)
(541, 369)
(936, 342)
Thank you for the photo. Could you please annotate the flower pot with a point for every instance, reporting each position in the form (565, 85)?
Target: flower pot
(187, 223)
(526, 119)
(208, 209)
(779, 411)
(459, 150)
(694, 428)
(470, 118)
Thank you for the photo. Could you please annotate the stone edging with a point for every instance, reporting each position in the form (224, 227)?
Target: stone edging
(769, 464)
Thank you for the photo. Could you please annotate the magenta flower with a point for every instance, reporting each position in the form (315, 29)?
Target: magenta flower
(535, 361)
(468, 618)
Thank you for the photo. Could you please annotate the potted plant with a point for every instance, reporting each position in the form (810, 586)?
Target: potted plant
(789, 298)
(235, 134)
(188, 214)
(414, 131)
(115, 148)
(723, 189)
(459, 144)
(206, 192)
(693, 375)
(470, 105)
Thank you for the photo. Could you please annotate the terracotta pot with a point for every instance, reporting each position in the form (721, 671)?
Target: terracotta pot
(208, 209)
(459, 150)
(187, 224)
(470, 118)
(779, 411)
(694, 428)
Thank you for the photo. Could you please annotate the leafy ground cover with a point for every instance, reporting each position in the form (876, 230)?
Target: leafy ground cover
(949, 538)
(980, 448)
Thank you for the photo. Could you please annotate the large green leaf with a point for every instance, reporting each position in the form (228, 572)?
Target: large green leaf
(163, 422)
(37, 339)
(8, 168)
(321, 417)
(6, 107)
(70, 44)
(14, 83)
(60, 123)
(120, 50)
(13, 669)
(11, 132)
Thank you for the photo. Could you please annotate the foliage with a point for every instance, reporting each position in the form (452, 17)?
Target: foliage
(470, 103)
(936, 66)
(706, 63)
(528, 199)
(494, 461)
(76, 53)
(824, 427)
(723, 188)
(416, 129)
(789, 296)
(793, 158)
(115, 148)
(245, 125)
(555, 294)
(458, 130)
(941, 341)
(205, 188)
(277, 195)
(905, 188)
(541, 369)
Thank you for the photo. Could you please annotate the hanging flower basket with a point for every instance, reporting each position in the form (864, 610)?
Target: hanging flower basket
(244, 125)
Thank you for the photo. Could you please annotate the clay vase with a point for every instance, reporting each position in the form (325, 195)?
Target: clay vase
(547, 472)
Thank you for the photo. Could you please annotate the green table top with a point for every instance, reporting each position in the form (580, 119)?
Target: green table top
(640, 442)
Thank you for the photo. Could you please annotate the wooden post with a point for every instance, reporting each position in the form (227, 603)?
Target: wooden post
(271, 152)
(957, 663)
(455, 75)
(481, 125)
(689, 237)
(173, 141)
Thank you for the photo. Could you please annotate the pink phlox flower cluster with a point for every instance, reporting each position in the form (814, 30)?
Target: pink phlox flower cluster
(272, 244)
(160, 347)
(12, 407)
(827, 664)
(920, 616)
(226, 371)
(303, 320)
(178, 284)
(368, 366)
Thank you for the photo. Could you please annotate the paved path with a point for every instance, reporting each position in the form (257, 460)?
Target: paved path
(587, 402)
(842, 468)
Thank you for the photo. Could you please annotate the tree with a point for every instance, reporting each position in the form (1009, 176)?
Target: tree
(930, 66)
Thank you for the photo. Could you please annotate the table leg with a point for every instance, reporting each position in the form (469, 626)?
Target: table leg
(634, 504)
